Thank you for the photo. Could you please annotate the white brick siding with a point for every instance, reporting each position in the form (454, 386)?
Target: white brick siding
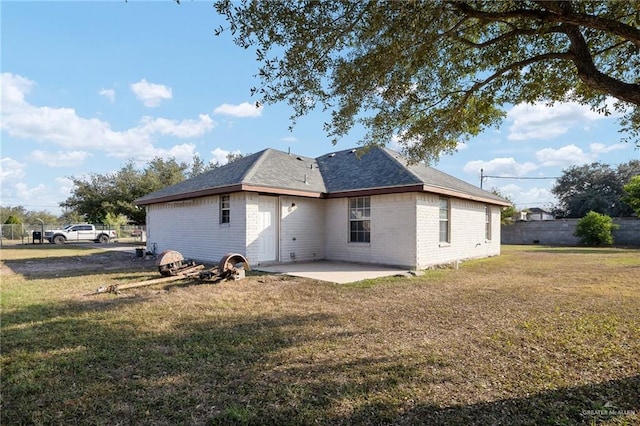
(393, 230)
(251, 222)
(193, 228)
(404, 229)
(467, 219)
(302, 231)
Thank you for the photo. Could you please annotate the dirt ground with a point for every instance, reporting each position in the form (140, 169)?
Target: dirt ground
(104, 261)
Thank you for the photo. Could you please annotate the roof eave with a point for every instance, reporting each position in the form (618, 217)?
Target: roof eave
(227, 189)
(415, 188)
(464, 195)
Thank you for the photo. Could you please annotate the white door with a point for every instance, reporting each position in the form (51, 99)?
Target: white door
(267, 229)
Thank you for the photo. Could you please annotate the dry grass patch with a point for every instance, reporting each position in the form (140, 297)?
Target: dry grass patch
(536, 336)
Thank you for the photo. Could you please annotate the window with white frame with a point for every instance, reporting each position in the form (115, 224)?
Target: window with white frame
(225, 208)
(360, 220)
(445, 215)
(487, 223)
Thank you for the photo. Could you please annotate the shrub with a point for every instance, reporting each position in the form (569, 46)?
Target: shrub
(595, 229)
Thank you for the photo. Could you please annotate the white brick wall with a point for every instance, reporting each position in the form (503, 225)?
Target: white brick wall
(251, 222)
(193, 228)
(392, 231)
(466, 227)
(404, 230)
(302, 229)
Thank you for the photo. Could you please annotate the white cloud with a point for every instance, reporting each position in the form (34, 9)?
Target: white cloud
(565, 156)
(150, 94)
(570, 155)
(109, 94)
(219, 155)
(60, 158)
(64, 185)
(11, 170)
(65, 128)
(529, 197)
(180, 129)
(14, 89)
(23, 191)
(289, 139)
(242, 110)
(182, 153)
(539, 121)
(500, 166)
(599, 148)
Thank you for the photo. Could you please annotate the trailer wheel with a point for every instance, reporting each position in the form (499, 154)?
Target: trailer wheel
(59, 239)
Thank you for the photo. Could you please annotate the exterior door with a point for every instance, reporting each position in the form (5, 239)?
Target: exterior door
(267, 231)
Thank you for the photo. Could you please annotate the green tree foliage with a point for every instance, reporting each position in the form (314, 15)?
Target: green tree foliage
(97, 195)
(100, 198)
(507, 213)
(595, 229)
(115, 221)
(632, 190)
(594, 187)
(27, 217)
(12, 220)
(435, 72)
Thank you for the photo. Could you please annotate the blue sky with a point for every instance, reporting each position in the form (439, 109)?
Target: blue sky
(87, 86)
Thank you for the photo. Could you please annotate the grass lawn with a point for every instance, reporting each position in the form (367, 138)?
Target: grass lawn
(536, 336)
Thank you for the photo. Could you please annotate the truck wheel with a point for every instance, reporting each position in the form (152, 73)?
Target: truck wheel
(59, 239)
(103, 239)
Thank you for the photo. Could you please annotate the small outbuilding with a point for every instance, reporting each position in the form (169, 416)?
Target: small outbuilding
(358, 205)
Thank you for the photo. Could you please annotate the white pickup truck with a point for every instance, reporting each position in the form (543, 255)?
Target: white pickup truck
(79, 232)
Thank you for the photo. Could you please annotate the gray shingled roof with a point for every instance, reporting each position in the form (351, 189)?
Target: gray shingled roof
(342, 171)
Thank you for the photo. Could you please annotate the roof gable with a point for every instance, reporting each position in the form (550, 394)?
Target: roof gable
(277, 169)
(354, 169)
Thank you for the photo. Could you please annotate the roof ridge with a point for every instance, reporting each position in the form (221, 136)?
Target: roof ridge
(254, 167)
(405, 166)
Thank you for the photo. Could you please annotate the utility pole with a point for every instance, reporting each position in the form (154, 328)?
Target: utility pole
(481, 177)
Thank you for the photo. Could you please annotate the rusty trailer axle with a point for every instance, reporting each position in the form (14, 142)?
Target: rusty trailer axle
(173, 267)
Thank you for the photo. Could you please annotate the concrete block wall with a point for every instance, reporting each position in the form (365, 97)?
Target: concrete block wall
(193, 228)
(559, 232)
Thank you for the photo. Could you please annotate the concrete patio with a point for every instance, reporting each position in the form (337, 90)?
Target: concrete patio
(335, 272)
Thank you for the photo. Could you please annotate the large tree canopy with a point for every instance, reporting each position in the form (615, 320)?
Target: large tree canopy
(434, 73)
(595, 187)
(97, 195)
(101, 198)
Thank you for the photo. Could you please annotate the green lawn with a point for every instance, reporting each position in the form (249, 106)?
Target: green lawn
(538, 335)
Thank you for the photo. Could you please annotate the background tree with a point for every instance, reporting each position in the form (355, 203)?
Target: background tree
(199, 166)
(506, 213)
(632, 197)
(115, 222)
(98, 195)
(12, 220)
(28, 217)
(595, 229)
(594, 187)
(438, 72)
(100, 198)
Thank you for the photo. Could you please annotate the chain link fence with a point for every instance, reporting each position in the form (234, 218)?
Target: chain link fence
(34, 233)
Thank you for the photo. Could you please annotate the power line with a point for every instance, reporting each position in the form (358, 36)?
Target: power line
(483, 177)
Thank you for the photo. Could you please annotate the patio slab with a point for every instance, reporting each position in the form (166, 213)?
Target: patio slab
(335, 272)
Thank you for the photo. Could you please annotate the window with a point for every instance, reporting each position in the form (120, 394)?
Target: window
(444, 220)
(225, 208)
(487, 222)
(360, 220)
